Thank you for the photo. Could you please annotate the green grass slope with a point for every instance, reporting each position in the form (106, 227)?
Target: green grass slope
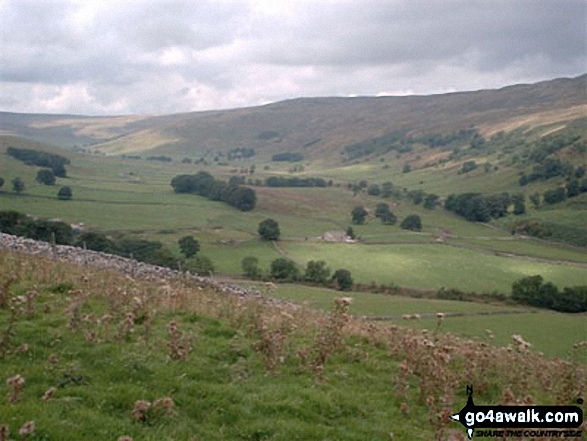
(95, 355)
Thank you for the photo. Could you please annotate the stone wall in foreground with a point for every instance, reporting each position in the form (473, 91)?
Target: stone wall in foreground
(131, 267)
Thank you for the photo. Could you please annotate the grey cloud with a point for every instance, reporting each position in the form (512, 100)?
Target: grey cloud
(395, 32)
(156, 56)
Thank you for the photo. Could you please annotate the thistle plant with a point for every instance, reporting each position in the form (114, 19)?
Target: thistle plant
(16, 384)
(27, 429)
(180, 343)
(330, 337)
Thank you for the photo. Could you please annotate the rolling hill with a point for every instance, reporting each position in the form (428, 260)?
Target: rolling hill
(319, 128)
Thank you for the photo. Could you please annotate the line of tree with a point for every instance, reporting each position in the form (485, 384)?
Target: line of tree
(460, 137)
(570, 190)
(240, 153)
(387, 190)
(411, 222)
(535, 292)
(56, 163)
(280, 181)
(19, 224)
(285, 270)
(204, 184)
(287, 157)
(161, 158)
(148, 251)
(547, 169)
(394, 141)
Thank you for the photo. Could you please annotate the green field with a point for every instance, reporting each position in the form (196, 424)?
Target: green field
(549, 332)
(134, 197)
(432, 266)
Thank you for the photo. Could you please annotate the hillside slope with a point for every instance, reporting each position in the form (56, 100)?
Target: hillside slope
(317, 127)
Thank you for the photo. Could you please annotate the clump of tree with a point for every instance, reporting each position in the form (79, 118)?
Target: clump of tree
(269, 229)
(96, 242)
(477, 207)
(416, 196)
(317, 272)
(374, 190)
(65, 193)
(250, 266)
(387, 190)
(1, 181)
(573, 188)
(18, 185)
(547, 169)
(148, 251)
(468, 166)
(201, 265)
(56, 163)
(553, 143)
(19, 224)
(45, 176)
(412, 222)
(281, 181)
(384, 213)
(161, 158)
(460, 137)
(189, 246)
(519, 201)
(430, 201)
(343, 279)
(240, 153)
(358, 215)
(287, 157)
(535, 292)
(204, 184)
(283, 269)
(555, 195)
(394, 141)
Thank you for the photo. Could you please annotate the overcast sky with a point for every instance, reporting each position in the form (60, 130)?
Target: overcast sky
(154, 57)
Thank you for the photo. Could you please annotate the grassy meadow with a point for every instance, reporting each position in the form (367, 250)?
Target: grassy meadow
(549, 332)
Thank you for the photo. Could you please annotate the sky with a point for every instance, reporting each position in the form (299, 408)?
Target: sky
(156, 57)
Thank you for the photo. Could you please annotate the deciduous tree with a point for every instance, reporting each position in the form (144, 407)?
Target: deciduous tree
(269, 229)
